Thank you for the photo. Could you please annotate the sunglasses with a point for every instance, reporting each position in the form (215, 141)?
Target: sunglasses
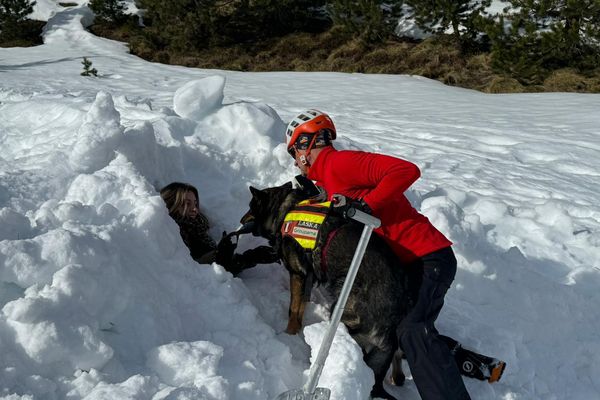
(300, 146)
(303, 142)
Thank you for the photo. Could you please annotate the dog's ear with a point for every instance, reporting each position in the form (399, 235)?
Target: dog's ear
(255, 192)
(287, 186)
(258, 195)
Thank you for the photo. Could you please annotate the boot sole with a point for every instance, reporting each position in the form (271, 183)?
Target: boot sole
(497, 372)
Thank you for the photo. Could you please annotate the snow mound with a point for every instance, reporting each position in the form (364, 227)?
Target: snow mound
(355, 380)
(98, 137)
(251, 130)
(190, 365)
(96, 281)
(199, 98)
(13, 225)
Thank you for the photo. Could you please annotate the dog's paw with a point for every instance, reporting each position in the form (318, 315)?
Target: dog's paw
(378, 392)
(292, 328)
(397, 380)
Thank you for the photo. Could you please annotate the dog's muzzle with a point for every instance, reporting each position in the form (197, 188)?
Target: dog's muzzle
(247, 227)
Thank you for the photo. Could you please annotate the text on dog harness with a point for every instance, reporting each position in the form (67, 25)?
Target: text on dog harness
(304, 221)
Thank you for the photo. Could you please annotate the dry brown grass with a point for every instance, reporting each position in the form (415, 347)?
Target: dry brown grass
(503, 84)
(568, 80)
(595, 84)
(387, 60)
(436, 58)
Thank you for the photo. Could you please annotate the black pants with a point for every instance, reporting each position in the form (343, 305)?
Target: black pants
(433, 368)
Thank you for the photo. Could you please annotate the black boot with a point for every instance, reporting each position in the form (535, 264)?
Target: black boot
(475, 365)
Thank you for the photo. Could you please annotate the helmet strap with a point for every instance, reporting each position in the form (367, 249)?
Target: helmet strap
(311, 144)
(303, 159)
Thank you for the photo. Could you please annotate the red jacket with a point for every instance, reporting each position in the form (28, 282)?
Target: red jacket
(380, 181)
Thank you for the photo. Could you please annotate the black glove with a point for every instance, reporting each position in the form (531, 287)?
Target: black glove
(342, 204)
(249, 259)
(260, 255)
(305, 186)
(225, 250)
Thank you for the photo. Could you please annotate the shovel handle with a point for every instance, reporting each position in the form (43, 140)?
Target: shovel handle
(363, 217)
(370, 223)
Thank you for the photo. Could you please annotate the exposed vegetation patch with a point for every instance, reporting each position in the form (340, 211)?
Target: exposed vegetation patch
(548, 46)
(436, 58)
(15, 29)
(29, 34)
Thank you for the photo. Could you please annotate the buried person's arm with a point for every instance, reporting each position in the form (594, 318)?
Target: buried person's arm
(235, 262)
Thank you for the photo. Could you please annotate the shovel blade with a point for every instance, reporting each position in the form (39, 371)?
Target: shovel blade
(299, 394)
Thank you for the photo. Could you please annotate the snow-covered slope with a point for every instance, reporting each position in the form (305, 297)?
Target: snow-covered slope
(99, 298)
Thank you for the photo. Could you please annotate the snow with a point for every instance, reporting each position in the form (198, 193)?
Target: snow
(196, 99)
(100, 299)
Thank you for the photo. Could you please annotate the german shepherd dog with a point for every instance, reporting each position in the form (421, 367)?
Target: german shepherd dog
(382, 292)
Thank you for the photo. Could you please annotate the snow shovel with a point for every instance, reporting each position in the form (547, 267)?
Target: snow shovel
(310, 391)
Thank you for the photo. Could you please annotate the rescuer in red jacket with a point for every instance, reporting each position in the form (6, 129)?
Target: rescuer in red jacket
(378, 182)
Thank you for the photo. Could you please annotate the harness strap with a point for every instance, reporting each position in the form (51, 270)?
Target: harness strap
(324, 251)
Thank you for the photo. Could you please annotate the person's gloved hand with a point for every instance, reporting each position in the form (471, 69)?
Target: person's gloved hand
(225, 250)
(342, 204)
(260, 255)
(249, 259)
(305, 186)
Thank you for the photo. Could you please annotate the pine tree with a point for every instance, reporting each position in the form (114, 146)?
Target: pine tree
(460, 16)
(180, 25)
(247, 20)
(547, 35)
(184, 25)
(87, 68)
(12, 14)
(112, 11)
(573, 33)
(279, 17)
(370, 20)
(513, 50)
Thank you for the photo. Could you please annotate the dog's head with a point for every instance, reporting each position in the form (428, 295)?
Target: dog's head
(268, 207)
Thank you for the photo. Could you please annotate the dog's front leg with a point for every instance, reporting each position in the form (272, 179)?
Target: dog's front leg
(297, 303)
(295, 262)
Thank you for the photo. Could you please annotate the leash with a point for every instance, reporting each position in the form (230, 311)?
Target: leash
(248, 227)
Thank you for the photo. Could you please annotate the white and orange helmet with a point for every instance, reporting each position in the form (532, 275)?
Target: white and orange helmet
(307, 124)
